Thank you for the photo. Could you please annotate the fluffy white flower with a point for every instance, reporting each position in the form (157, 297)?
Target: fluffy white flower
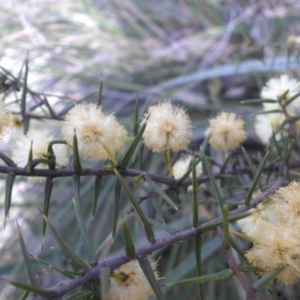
(262, 214)
(286, 203)
(96, 132)
(168, 128)
(266, 125)
(276, 87)
(40, 140)
(226, 132)
(276, 246)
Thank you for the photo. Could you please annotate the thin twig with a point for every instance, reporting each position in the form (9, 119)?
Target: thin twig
(234, 266)
(172, 183)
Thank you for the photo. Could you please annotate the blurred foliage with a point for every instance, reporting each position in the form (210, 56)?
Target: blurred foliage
(189, 51)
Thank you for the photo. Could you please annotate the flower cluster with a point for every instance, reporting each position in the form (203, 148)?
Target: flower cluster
(168, 128)
(274, 226)
(226, 132)
(98, 133)
(281, 90)
(129, 282)
(259, 215)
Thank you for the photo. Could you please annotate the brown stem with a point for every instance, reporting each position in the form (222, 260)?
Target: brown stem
(172, 183)
(234, 266)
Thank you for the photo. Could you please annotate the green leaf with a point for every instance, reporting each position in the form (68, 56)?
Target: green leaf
(20, 72)
(24, 90)
(76, 187)
(94, 287)
(51, 111)
(37, 161)
(10, 178)
(248, 269)
(129, 245)
(76, 158)
(136, 117)
(197, 245)
(189, 170)
(157, 208)
(160, 192)
(213, 224)
(226, 274)
(286, 103)
(38, 291)
(162, 226)
(148, 271)
(50, 151)
(97, 185)
(47, 197)
(205, 143)
(77, 264)
(104, 281)
(265, 280)
(195, 193)
(143, 218)
(258, 101)
(250, 165)
(25, 295)
(87, 243)
(266, 112)
(282, 98)
(216, 188)
(116, 209)
(288, 148)
(133, 145)
(68, 274)
(29, 167)
(226, 226)
(79, 295)
(25, 257)
(26, 123)
(256, 179)
(99, 102)
(224, 165)
(8, 161)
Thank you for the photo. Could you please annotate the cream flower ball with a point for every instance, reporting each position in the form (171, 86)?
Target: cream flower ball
(276, 87)
(277, 245)
(168, 128)
(286, 203)
(267, 124)
(261, 214)
(96, 132)
(226, 132)
(40, 140)
(130, 283)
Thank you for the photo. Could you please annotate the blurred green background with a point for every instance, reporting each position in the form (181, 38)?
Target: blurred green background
(205, 55)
